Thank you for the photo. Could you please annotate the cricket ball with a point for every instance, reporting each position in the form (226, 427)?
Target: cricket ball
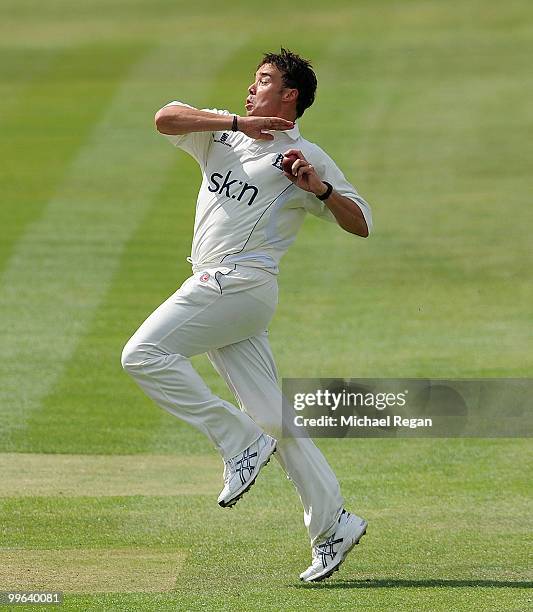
(288, 162)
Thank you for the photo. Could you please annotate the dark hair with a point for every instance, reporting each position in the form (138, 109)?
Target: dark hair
(297, 73)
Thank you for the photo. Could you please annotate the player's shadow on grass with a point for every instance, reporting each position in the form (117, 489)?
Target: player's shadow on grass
(387, 583)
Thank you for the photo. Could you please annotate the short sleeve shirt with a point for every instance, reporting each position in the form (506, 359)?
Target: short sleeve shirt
(247, 211)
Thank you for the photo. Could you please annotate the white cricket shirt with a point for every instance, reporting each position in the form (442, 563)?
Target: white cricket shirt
(247, 211)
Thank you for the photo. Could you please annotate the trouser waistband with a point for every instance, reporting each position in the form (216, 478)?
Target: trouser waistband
(200, 267)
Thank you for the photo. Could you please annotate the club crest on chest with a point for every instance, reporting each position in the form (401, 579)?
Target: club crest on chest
(277, 163)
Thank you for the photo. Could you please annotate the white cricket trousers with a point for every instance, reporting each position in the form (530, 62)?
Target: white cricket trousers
(224, 312)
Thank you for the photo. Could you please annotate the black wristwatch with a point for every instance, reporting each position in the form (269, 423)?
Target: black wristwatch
(325, 195)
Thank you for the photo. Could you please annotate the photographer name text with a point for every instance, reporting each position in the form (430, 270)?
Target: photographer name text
(362, 421)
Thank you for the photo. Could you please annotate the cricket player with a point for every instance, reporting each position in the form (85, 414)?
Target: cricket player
(248, 212)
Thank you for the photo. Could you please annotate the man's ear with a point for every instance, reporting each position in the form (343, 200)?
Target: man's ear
(290, 95)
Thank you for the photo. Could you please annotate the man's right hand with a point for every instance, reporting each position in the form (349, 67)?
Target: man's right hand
(252, 126)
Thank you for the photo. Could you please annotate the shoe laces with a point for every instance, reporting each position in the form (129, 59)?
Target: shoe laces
(229, 469)
(324, 550)
(241, 463)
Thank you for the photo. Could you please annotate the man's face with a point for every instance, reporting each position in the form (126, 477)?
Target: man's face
(266, 95)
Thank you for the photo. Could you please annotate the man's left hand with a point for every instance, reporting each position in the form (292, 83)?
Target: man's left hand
(304, 174)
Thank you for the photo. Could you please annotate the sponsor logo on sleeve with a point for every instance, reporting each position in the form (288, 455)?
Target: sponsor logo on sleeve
(223, 139)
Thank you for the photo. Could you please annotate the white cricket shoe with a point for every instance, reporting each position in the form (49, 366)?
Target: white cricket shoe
(329, 554)
(241, 471)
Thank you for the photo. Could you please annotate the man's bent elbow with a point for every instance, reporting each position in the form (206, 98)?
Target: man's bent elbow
(365, 230)
(359, 225)
(161, 121)
(361, 232)
(359, 228)
(166, 123)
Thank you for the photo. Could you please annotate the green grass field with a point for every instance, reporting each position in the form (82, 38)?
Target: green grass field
(426, 106)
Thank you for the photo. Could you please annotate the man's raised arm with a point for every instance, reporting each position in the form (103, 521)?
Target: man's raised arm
(177, 120)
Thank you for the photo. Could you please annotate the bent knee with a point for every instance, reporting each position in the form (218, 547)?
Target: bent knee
(135, 355)
(140, 356)
(129, 357)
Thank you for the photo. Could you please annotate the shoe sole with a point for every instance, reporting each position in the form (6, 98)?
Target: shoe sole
(331, 571)
(248, 486)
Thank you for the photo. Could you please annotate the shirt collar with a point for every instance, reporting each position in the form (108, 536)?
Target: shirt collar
(293, 133)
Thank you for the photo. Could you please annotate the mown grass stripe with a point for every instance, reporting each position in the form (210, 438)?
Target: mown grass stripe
(127, 570)
(37, 475)
(62, 266)
(151, 266)
(45, 119)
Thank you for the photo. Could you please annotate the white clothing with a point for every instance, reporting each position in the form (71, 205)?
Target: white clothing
(247, 210)
(225, 313)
